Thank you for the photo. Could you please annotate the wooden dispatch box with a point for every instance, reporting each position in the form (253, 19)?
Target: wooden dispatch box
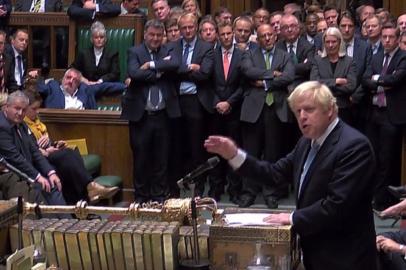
(232, 248)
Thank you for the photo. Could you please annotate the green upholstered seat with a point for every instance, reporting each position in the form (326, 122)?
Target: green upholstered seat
(109, 180)
(92, 164)
(118, 40)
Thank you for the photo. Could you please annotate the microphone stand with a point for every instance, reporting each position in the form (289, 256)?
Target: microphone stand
(196, 262)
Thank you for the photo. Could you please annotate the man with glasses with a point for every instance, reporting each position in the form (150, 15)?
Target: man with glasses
(264, 111)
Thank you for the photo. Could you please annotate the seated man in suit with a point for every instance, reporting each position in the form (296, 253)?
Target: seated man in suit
(18, 66)
(86, 10)
(18, 148)
(72, 94)
(332, 169)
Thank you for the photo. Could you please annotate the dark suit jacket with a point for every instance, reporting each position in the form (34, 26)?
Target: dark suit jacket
(304, 51)
(54, 98)
(333, 214)
(108, 69)
(202, 55)
(230, 90)
(22, 153)
(362, 57)
(346, 68)
(394, 82)
(135, 99)
(254, 68)
(106, 8)
(12, 85)
(9, 80)
(50, 5)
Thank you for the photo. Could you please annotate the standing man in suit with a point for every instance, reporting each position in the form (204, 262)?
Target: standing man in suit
(86, 10)
(195, 94)
(227, 89)
(19, 149)
(243, 29)
(264, 111)
(150, 101)
(332, 169)
(385, 80)
(361, 52)
(373, 25)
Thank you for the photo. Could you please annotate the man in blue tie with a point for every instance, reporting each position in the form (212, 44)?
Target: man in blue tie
(148, 104)
(332, 169)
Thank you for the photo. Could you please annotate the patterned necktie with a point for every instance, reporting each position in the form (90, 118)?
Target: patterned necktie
(309, 160)
(154, 90)
(292, 54)
(226, 64)
(36, 6)
(269, 96)
(380, 95)
(186, 54)
(20, 68)
(2, 89)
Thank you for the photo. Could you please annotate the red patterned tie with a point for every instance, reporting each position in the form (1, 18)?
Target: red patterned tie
(226, 64)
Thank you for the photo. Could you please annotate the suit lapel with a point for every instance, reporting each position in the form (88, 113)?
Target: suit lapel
(259, 60)
(328, 66)
(302, 160)
(276, 59)
(233, 64)
(322, 154)
(339, 67)
(219, 60)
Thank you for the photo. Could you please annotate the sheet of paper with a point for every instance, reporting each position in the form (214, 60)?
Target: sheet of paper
(248, 219)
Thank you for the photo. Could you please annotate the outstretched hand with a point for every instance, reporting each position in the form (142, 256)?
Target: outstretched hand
(223, 146)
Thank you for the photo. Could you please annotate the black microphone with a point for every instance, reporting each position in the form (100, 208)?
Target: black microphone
(16, 171)
(208, 165)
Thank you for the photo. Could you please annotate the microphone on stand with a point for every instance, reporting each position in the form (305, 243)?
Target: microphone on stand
(190, 177)
(16, 171)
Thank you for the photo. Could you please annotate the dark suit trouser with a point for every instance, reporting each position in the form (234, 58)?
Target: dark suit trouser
(70, 168)
(266, 139)
(149, 140)
(192, 131)
(386, 141)
(12, 187)
(391, 261)
(226, 125)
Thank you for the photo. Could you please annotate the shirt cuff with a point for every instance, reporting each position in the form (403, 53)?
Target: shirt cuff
(238, 160)
(291, 218)
(97, 8)
(152, 64)
(51, 173)
(38, 175)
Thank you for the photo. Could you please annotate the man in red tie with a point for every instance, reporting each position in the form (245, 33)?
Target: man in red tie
(227, 102)
(385, 80)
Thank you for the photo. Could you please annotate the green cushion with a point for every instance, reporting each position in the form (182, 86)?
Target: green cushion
(112, 107)
(92, 163)
(109, 180)
(118, 40)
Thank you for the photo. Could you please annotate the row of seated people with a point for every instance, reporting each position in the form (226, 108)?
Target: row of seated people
(59, 173)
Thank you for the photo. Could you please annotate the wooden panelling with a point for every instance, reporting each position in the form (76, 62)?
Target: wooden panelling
(395, 7)
(106, 135)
